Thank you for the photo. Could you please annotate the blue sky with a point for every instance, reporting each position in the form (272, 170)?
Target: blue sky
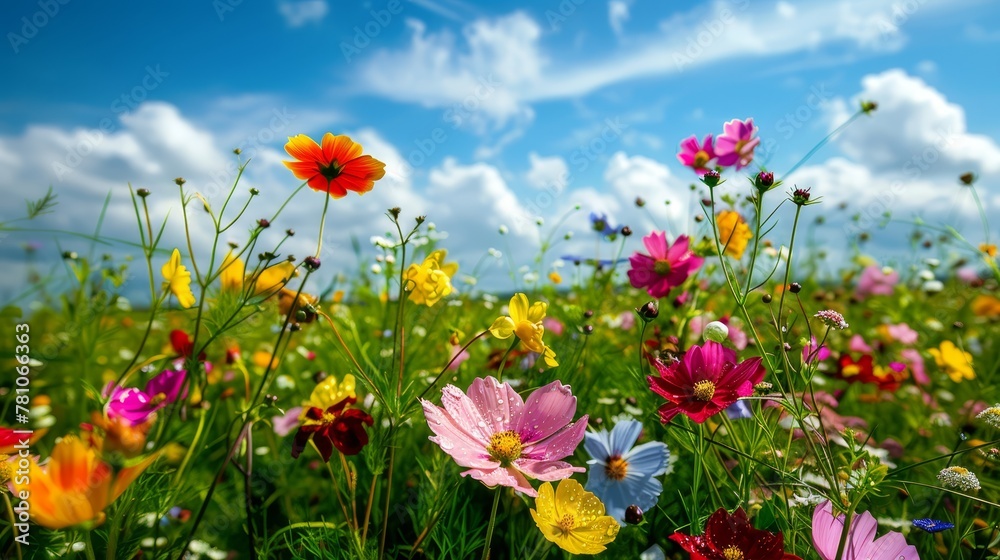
(487, 111)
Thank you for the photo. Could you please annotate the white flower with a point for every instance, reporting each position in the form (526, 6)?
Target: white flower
(933, 286)
(376, 269)
(960, 478)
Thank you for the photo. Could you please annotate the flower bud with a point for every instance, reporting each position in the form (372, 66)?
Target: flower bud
(800, 196)
(626, 231)
(640, 202)
(264, 223)
(633, 515)
(795, 287)
(711, 178)
(967, 179)
(180, 181)
(716, 332)
(764, 180)
(311, 262)
(142, 192)
(649, 311)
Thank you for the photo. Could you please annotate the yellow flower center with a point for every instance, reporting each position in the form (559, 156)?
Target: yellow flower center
(704, 390)
(961, 471)
(662, 268)
(5, 470)
(566, 523)
(525, 330)
(616, 468)
(505, 447)
(739, 150)
(732, 553)
(701, 158)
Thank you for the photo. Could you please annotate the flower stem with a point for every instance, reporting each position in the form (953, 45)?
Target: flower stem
(493, 522)
(322, 224)
(503, 360)
(88, 541)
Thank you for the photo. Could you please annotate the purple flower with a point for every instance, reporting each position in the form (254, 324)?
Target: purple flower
(137, 405)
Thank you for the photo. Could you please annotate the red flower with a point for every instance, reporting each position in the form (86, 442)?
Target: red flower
(338, 426)
(335, 167)
(864, 370)
(705, 381)
(183, 344)
(731, 537)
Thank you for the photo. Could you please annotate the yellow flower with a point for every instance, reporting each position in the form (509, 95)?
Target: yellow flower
(734, 233)
(988, 249)
(177, 279)
(953, 361)
(430, 281)
(986, 306)
(555, 278)
(270, 280)
(231, 273)
(526, 323)
(573, 518)
(76, 486)
(329, 392)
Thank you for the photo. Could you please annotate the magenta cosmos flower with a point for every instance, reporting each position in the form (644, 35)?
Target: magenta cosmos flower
(697, 156)
(875, 281)
(501, 439)
(704, 381)
(137, 405)
(861, 542)
(736, 145)
(665, 267)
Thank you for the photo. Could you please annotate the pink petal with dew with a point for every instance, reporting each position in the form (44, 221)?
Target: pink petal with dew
(503, 477)
(547, 410)
(547, 470)
(561, 444)
(466, 449)
(465, 414)
(498, 403)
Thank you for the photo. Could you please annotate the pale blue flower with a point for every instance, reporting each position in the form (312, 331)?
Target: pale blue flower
(622, 475)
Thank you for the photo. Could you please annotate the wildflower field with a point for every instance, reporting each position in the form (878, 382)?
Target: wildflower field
(713, 395)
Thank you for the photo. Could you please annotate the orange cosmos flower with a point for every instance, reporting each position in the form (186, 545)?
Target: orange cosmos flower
(335, 167)
(76, 486)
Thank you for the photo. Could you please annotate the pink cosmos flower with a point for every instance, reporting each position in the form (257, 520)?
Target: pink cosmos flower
(288, 422)
(912, 358)
(861, 543)
(858, 344)
(736, 145)
(704, 382)
(665, 267)
(875, 281)
(697, 156)
(502, 439)
(810, 352)
(902, 333)
(456, 358)
(137, 405)
(553, 326)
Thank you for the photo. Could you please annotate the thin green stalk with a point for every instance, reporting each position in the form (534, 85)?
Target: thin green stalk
(13, 523)
(503, 360)
(322, 224)
(88, 542)
(823, 142)
(493, 521)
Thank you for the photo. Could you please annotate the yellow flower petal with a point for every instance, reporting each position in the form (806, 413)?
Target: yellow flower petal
(231, 272)
(519, 307)
(502, 328)
(177, 279)
(273, 278)
(573, 518)
(329, 392)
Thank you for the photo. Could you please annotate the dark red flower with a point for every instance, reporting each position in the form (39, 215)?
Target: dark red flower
(732, 537)
(183, 344)
(338, 426)
(704, 382)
